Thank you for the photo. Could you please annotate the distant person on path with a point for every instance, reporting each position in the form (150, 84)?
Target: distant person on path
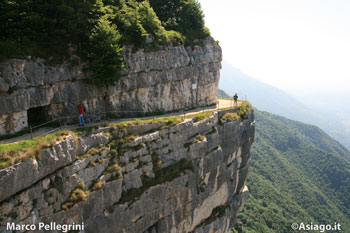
(235, 98)
(81, 113)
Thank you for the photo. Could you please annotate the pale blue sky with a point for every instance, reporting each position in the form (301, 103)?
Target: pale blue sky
(297, 45)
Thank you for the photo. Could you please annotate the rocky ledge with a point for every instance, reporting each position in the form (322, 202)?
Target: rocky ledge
(187, 177)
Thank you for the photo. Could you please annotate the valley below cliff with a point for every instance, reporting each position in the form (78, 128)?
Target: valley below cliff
(299, 174)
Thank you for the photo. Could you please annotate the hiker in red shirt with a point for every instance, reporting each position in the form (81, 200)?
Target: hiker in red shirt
(81, 113)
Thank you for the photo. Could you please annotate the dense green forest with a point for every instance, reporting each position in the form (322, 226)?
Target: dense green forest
(298, 174)
(95, 30)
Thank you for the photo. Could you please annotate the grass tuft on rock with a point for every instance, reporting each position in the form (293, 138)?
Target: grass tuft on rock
(113, 168)
(13, 153)
(91, 164)
(78, 195)
(91, 152)
(240, 113)
(98, 185)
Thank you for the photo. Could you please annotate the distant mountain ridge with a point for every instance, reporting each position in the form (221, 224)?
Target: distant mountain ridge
(268, 98)
(263, 96)
(223, 94)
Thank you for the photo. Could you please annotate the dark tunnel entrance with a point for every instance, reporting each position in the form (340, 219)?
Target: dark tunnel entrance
(38, 115)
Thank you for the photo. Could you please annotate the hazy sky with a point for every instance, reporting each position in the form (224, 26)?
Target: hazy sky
(292, 44)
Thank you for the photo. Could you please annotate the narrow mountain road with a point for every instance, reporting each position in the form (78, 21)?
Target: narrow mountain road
(226, 103)
(223, 104)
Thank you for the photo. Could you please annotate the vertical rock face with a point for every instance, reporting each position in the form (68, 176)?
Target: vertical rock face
(184, 178)
(168, 79)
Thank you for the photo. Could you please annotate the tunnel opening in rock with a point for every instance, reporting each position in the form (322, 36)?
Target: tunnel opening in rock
(38, 115)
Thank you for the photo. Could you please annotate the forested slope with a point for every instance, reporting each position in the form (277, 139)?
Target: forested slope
(298, 174)
(95, 31)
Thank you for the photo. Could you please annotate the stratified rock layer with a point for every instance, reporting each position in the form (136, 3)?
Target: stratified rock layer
(172, 78)
(184, 178)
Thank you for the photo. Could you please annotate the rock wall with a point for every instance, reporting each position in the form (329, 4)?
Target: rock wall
(172, 78)
(139, 178)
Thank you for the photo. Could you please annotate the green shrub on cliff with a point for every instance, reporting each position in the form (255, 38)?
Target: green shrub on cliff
(184, 16)
(105, 53)
(150, 21)
(95, 30)
(127, 19)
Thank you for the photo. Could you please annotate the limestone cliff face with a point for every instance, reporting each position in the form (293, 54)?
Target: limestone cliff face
(184, 178)
(172, 78)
